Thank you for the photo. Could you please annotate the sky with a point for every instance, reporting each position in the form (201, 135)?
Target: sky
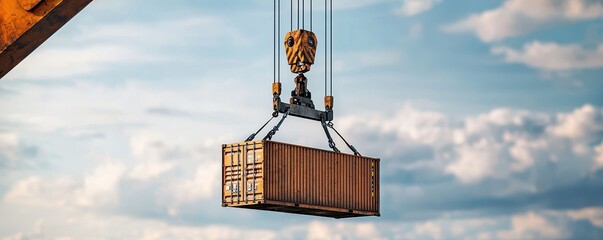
(487, 115)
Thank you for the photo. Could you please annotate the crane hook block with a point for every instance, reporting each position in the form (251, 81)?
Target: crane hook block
(301, 50)
(329, 100)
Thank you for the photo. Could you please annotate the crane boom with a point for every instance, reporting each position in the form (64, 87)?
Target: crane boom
(26, 24)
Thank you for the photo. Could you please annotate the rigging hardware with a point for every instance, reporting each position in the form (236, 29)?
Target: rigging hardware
(301, 47)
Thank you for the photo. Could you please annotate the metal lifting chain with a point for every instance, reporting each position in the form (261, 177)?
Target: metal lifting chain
(275, 129)
(252, 136)
(331, 142)
(332, 126)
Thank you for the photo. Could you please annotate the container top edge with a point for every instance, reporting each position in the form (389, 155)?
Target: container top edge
(323, 150)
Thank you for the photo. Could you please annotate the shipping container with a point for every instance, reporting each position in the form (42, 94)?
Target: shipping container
(273, 176)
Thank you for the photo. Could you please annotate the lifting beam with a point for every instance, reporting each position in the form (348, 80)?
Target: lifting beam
(26, 24)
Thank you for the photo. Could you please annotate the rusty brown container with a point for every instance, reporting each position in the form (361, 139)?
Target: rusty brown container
(273, 176)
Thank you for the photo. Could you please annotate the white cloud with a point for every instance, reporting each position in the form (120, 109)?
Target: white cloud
(517, 17)
(415, 7)
(354, 61)
(35, 233)
(37, 191)
(462, 227)
(529, 225)
(84, 104)
(496, 145)
(594, 215)
(97, 190)
(351, 4)
(583, 123)
(63, 223)
(162, 157)
(366, 231)
(203, 185)
(101, 188)
(178, 168)
(416, 30)
(167, 32)
(157, 231)
(149, 170)
(501, 143)
(408, 8)
(599, 156)
(532, 225)
(66, 62)
(474, 161)
(321, 230)
(9, 146)
(553, 57)
(431, 229)
(156, 156)
(422, 126)
(95, 49)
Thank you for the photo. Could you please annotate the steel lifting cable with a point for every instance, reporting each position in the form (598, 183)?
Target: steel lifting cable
(331, 47)
(326, 50)
(277, 127)
(329, 75)
(303, 14)
(274, 59)
(329, 138)
(331, 126)
(252, 136)
(276, 67)
(276, 41)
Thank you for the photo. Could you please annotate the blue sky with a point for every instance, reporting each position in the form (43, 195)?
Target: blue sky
(487, 115)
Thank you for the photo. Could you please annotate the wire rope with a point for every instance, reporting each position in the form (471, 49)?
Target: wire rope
(326, 50)
(331, 43)
(274, 40)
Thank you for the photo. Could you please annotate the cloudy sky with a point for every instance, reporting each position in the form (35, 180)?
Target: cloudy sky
(488, 117)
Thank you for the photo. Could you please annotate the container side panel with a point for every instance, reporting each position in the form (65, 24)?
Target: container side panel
(298, 176)
(322, 182)
(274, 176)
(313, 179)
(357, 180)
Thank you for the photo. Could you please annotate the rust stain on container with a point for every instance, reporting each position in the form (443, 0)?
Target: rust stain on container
(273, 176)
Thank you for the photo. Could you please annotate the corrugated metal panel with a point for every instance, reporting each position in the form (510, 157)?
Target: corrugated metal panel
(289, 178)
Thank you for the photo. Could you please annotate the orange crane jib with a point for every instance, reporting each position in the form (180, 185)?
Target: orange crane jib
(26, 24)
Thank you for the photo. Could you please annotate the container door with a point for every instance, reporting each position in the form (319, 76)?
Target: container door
(254, 154)
(232, 175)
(243, 173)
